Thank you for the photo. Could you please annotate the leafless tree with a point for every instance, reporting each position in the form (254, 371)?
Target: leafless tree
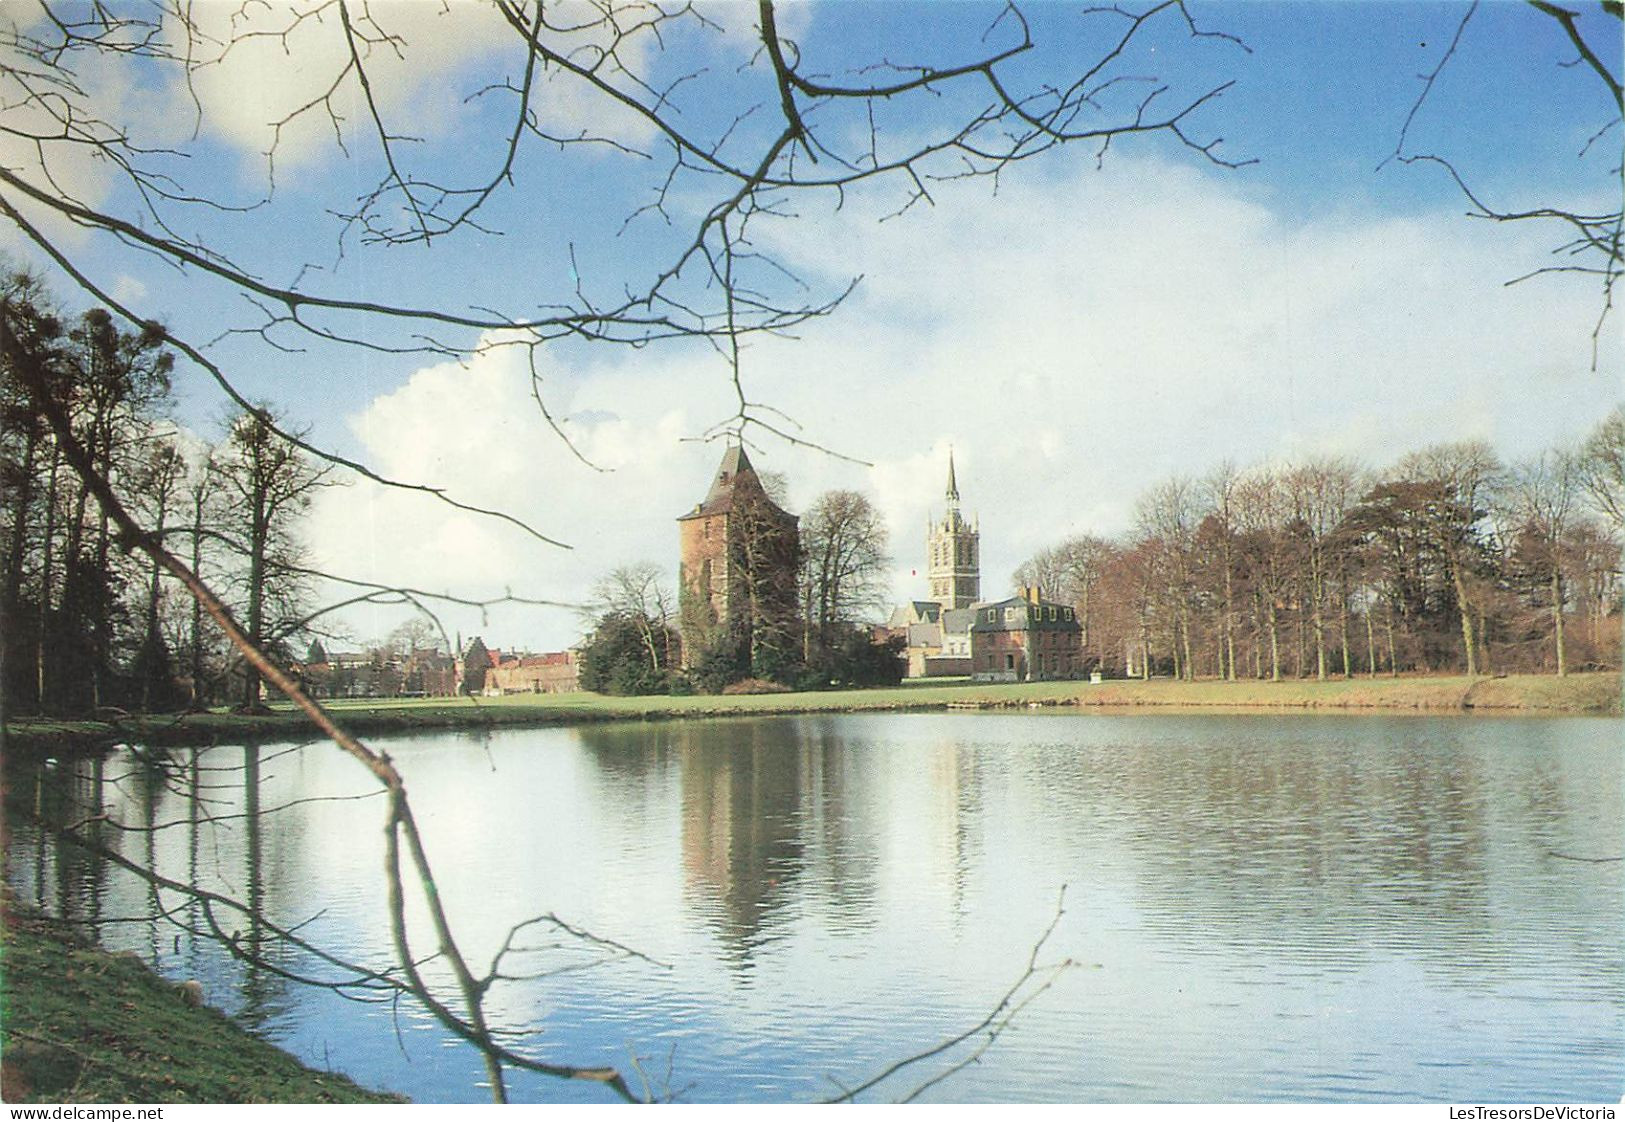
(639, 592)
(1602, 468)
(1541, 494)
(1070, 571)
(1468, 475)
(161, 483)
(844, 560)
(1219, 491)
(271, 482)
(1591, 237)
(1321, 490)
(1166, 517)
(1263, 512)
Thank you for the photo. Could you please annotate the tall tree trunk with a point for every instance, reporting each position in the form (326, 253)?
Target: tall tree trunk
(1343, 629)
(197, 605)
(47, 555)
(1317, 615)
(12, 605)
(1557, 617)
(259, 532)
(19, 528)
(102, 625)
(151, 641)
(1468, 642)
(1275, 643)
(1370, 642)
(1393, 660)
(1229, 654)
(1300, 649)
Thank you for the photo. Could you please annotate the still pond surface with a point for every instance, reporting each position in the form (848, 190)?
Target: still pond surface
(1260, 909)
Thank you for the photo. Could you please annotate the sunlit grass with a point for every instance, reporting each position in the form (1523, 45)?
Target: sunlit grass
(1589, 694)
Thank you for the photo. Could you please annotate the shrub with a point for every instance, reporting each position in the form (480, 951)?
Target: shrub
(753, 685)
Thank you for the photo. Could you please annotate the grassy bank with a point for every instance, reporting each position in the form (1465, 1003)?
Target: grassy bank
(82, 1025)
(1588, 694)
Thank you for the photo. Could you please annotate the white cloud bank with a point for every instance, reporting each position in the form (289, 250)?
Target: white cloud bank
(1075, 341)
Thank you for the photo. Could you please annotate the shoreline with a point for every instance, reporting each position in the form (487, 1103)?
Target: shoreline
(1594, 694)
(88, 1025)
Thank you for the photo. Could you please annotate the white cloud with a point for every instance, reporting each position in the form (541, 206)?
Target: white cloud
(1075, 340)
(288, 62)
(475, 431)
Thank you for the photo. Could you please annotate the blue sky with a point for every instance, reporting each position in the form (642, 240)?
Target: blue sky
(1076, 336)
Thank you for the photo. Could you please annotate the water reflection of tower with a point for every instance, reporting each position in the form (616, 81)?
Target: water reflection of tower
(741, 848)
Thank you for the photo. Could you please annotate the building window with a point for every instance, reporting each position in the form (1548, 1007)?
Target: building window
(1068, 613)
(1052, 613)
(1009, 615)
(1009, 662)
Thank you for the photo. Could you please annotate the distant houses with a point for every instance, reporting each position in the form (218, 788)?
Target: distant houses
(494, 673)
(553, 672)
(427, 672)
(424, 672)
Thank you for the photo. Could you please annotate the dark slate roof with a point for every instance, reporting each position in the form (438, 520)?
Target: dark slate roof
(926, 611)
(733, 474)
(1024, 619)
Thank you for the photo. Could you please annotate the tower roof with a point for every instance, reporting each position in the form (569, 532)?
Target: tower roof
(735, 478)
(953, 487)
(734, 464)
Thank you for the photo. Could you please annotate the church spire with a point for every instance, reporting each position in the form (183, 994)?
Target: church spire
(952, 546)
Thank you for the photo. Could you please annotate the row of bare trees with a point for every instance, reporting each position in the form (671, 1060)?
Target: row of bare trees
(86, 625)
(1449, 560)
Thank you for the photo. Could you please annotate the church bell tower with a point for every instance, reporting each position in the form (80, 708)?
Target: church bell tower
(953, 549)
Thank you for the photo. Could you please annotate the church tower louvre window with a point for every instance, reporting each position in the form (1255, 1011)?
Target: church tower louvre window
(953, 547)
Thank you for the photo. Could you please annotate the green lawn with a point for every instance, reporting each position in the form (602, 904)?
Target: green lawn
(1595, 694)
(86, 1026)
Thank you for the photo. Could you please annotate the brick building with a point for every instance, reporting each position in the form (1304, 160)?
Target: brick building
(737, 573)
(554, 672)
(1025, 639)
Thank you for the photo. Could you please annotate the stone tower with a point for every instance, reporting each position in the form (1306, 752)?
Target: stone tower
(737, 574)
(954, 553)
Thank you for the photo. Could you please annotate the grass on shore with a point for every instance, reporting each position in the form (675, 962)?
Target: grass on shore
(1595, 694)
(82, 1025)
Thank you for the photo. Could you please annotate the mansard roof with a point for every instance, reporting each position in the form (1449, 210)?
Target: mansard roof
(1021, 614)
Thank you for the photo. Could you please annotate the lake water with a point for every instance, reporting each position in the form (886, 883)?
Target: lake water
(1258, 908)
